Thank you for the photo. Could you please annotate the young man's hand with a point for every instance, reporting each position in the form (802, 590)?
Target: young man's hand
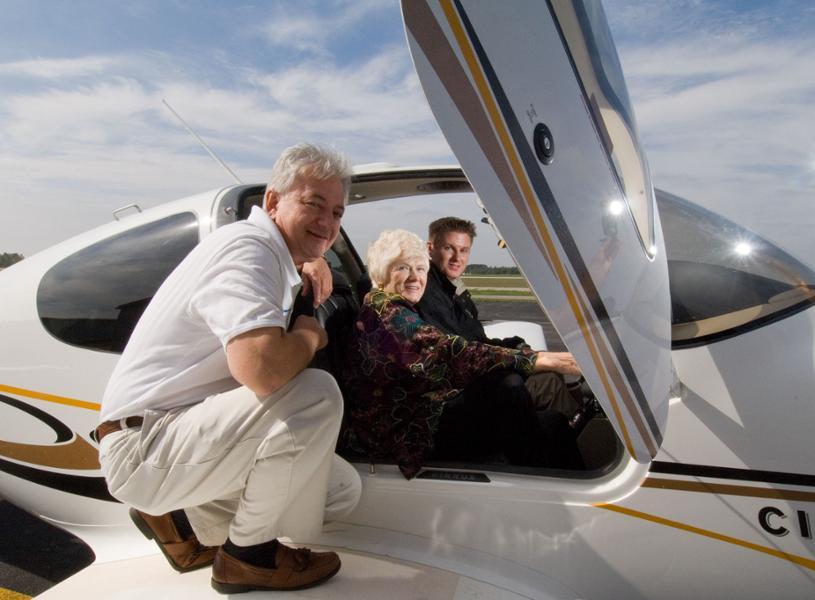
(559, 362)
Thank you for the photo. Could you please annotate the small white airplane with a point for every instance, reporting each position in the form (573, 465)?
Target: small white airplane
(696, 336)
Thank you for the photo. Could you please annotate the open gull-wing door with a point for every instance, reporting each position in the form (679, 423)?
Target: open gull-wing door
(532, 101)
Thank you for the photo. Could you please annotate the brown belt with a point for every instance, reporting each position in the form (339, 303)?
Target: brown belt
(111, 426)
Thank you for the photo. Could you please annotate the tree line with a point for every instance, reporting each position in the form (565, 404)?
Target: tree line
(9, 258)
(477, 269)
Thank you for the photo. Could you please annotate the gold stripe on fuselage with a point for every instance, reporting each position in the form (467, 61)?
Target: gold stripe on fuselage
(50, 397)
(799, 560)
(75, 453)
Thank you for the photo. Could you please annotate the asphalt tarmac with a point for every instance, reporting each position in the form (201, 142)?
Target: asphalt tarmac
(35, 555)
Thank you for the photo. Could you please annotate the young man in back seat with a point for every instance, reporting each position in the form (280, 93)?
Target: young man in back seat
(447, 304)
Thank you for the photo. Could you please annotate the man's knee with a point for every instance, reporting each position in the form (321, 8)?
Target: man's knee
(310, 402)
(317, 383)
(546, 383)
(549, 391)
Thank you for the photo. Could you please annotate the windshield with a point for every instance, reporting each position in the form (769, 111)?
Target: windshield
(725, 279)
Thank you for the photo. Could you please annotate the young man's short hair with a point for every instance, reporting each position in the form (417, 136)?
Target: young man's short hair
(450, 224)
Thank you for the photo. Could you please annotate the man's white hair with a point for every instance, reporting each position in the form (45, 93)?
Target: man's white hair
(321, 163)
(390, 246)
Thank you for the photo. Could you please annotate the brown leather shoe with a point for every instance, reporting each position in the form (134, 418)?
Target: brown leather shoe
(182, 554)
(296, 569)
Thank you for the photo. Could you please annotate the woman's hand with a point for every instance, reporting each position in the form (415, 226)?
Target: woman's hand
(559, 362)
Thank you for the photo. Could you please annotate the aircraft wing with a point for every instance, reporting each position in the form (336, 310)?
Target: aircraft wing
(531, 98)
(129, 566)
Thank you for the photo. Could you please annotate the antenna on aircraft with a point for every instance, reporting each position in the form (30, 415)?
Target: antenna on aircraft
(202, 142)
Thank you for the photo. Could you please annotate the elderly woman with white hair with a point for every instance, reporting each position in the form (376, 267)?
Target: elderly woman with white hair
(415, 392)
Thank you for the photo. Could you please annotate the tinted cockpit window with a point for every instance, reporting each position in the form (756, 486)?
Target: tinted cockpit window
(724, 278)
(94, 298)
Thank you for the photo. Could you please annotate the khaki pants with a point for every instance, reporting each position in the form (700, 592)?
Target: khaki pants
(549, 392)
(247, 467)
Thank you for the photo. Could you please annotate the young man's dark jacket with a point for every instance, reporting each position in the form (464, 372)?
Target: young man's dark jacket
(455, 314)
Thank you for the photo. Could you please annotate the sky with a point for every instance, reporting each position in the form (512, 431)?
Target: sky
(722, 91)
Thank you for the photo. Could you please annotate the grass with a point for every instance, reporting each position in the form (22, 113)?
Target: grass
(502, 292)
(485, 288)
(495, 281)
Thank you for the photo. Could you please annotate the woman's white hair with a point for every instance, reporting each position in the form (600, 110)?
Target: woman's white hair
(320, 162)
(391, 245)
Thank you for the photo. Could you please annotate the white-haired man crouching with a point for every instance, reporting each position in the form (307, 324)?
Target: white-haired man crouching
(211, 419)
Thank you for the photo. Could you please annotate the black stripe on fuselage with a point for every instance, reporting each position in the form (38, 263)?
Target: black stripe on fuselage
(553, 213)
(731, 473)
(62, 431)
(90, 487)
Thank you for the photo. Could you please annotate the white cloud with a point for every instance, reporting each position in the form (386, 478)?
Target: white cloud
(724, 111)
(59, 68)
(379, 93)
(85, 147)
(380, 96)
(59, 119)
(308, 29)
(725, 115)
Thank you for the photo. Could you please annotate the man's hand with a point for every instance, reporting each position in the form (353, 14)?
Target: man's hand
(317, 280)
(559, 362)
(312, 330)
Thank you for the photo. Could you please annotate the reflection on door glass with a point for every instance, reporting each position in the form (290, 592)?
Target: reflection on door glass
(594, 55)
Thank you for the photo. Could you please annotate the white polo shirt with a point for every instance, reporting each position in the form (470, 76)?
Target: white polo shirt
(241, 277)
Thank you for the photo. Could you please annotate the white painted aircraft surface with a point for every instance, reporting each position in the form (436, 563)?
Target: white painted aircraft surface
(696, 336)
